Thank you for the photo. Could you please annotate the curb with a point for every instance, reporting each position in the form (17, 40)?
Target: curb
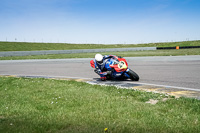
(177, 92)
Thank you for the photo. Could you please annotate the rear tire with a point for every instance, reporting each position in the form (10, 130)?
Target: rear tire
(133, 75)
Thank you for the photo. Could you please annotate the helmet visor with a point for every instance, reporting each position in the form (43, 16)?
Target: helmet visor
(100, 62)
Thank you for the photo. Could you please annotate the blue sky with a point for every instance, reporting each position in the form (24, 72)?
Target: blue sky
(99, 21)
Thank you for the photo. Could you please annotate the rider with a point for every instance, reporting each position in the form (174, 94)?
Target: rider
(99, 64)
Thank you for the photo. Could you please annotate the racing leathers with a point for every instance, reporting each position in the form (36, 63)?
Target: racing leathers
(100, 68)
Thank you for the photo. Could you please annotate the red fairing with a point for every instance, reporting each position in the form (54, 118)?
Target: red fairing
(122, 59)
(117, 69)
(92, 63)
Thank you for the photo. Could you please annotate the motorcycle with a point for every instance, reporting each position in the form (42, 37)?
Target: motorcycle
(118, 69)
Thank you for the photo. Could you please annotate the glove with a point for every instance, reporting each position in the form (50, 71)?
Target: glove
(103, 74)
(103, 78)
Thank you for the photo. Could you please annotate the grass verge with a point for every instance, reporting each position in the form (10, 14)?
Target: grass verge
(46, 105)
(172, 52)
(24, 46)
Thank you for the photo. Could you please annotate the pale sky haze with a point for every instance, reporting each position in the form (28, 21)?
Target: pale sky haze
(99, 21)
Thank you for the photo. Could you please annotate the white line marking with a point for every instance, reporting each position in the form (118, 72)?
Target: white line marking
(167, 86)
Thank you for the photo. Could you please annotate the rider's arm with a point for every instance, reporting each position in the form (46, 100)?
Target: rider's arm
(94, 65)
(97, 69)
(99, 72)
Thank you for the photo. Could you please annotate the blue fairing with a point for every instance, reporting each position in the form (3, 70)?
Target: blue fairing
(114, 73)
(108, 63)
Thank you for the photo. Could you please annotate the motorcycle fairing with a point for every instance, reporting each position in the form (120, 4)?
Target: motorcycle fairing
(119, 65)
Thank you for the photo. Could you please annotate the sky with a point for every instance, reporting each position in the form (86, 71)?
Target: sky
(99, 21)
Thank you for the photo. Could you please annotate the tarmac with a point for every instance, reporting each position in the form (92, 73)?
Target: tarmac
(171, 75)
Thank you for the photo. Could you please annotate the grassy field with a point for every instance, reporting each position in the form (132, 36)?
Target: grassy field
(24, 46)
(172, 52)
(20, 46)
(47, 105)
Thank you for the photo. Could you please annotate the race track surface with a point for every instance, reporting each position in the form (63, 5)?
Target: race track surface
(179, 71)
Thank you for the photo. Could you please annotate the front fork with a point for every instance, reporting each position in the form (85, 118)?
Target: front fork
(127, 70)
(126, 74)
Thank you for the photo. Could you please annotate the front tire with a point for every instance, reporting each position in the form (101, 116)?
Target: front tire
(133, 75)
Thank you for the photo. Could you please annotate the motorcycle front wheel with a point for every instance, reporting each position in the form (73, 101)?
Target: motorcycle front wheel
(133, 75)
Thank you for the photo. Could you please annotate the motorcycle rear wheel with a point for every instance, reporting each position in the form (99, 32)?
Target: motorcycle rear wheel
(133, 75)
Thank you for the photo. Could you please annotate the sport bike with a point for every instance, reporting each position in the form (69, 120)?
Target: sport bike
(118, 69)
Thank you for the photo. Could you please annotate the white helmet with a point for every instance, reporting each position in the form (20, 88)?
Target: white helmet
(99, 58)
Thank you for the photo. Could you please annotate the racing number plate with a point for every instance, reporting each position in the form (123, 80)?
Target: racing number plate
(122, 65)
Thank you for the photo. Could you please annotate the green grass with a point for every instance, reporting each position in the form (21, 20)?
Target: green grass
(45, 105)
(172, 52)
(24, 46)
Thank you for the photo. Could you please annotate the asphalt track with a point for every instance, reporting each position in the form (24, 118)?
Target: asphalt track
(180, 72)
